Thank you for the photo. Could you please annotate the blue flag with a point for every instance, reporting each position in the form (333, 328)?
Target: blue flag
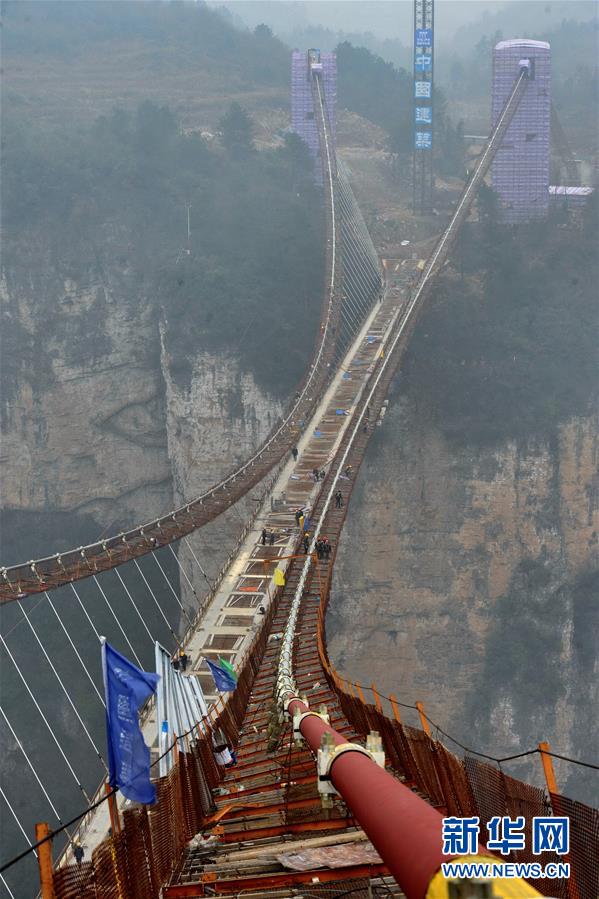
(127, 688)
(223, 680)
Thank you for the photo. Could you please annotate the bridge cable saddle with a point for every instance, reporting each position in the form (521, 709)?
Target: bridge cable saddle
(329, 752)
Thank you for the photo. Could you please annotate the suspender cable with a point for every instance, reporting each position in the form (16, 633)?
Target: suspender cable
(158, 606)
(183, 572)
(129, 644)
(15, 816)
(197, 561)
(93, 626)
(353, 257)
(67, 635)
(45, 720)
(171, 588)
(348, 201)
(139, 615)
(64, 689)
(353, 242)
(30, 763)
(6, 886)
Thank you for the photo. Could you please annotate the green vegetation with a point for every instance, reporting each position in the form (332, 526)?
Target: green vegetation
(523, 648)
(507, 348)
(381, 93)
(542, 639)
(252, 280)
(378, 91)
(196, 32)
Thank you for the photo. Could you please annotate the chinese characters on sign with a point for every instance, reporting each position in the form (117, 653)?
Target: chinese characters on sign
(423, 89)
(424, 115)
(423, 63)
(460, 835)
(423, 37)
(423, 140)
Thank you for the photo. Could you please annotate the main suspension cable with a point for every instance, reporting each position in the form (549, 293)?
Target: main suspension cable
(44, 719)
(64, 689)
(30, 764)
(134, 604)
(120, 627)
(75, 650)
(157, 604)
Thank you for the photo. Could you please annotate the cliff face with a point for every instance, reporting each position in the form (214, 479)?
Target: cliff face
(97, 434)
(213, 424)
(464, 580)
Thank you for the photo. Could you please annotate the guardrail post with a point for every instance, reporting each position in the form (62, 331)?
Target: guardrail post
(423, 719)
(395, 707)
(377, 698)
(544, 749)
(115, 821)
(44, 858)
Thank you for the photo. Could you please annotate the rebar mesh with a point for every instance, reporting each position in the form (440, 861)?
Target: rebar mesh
(76, 881)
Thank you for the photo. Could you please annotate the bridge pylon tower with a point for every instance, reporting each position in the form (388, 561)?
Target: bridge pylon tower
(422, 102)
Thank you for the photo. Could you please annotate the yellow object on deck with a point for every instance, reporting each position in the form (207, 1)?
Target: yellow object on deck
(501, 887)
(279, 578)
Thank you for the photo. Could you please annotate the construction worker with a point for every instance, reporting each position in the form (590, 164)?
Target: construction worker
(326, 546)
(294, 453)
(338, 499)
(298, 515)
(183, 657)
(306, 541)
(348, 471)
(78, 852)
(271, 538)
(264, 536)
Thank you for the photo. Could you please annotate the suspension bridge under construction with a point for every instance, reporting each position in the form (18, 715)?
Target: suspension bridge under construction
(337, 790)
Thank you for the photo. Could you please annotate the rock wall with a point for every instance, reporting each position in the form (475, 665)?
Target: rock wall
(97, 434)
(83, 402)
(213, 424)
(464, 579)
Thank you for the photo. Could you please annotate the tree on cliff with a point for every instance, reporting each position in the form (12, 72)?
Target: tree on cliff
(237, 131)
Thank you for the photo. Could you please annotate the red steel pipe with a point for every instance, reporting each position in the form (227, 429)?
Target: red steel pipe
(403, 828)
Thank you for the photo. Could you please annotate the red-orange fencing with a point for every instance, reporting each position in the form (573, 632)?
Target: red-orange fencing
(473, 787)
(469, 786)
(139, 860)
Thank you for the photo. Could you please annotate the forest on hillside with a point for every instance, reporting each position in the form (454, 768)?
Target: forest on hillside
(252, 280)
(507, 348)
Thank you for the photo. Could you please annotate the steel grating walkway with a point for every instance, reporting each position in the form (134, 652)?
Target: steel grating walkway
(268, 806)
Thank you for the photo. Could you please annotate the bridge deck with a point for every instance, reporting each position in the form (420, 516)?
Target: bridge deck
(233, 618)
(271, 831)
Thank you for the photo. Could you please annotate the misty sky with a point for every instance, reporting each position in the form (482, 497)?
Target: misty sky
(393, 18)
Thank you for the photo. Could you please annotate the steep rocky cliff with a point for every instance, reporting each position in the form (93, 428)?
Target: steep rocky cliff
(97, 434)
(465, 580)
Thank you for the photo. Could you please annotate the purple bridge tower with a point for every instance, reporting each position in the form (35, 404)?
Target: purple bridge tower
(305, 65)
(520, 172)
